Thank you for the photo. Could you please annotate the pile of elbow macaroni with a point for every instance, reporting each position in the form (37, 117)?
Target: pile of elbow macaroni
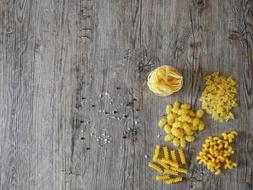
(180, 123)
(165, 161)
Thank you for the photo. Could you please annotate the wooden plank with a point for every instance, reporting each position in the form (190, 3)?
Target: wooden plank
(75, 109)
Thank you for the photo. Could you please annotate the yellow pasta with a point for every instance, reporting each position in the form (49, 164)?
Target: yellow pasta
(182, 156)
(169, 167)
(200, 113)
(171, 172)
(162, 177)
(189, 138)
(169, 108)
(162, 122)
(155, 167)
(219, 96)
(181, 122)
(166, 152)
(167, 129)
(170, 162)
(174, 180)
(165, 80)
(180, 170)
(217, 152)
(173, 156)
(157, 151)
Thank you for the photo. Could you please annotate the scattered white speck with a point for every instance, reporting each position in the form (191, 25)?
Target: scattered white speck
(158, 135)
(99, 111)
(106, 94)
(146, 156)
(121, 104)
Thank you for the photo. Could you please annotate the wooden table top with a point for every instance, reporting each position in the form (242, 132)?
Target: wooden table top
(75, 109)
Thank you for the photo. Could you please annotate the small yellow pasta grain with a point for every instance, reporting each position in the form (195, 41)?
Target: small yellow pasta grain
(162, 177)
(190, 138)
(162, 122)
(168, 137)
(182, 156)
(167, 129)
(176, 142)
(177, 132)
(234, 133)
(195, 122)
(188, 132)
(170, 162)
(157, 152)
(176, 105)
(169, 108)
(155, 167)
(200, 113)
(166, 152)
(186, 106)
(183, 142)
(192, 114)
(201, 126)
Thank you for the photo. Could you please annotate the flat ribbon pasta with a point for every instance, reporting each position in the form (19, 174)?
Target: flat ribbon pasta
(165, 80)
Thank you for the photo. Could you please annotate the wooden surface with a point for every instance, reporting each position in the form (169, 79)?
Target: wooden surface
(75, 110)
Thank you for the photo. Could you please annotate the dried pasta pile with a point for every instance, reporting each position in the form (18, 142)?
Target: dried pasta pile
(165, 161)
(181, 123)
(217, 151)
(219, 96)
(165, 80)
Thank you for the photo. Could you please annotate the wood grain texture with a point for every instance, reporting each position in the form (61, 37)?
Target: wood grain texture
(75, 110)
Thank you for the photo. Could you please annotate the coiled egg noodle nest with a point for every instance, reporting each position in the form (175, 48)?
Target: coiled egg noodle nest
(165, 80)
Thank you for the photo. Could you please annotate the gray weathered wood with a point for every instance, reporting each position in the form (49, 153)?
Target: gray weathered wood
(75, 110)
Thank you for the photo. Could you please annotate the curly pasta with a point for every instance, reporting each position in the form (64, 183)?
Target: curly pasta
(157, 151)
(155, 167)
(173, 156)
(166, 152)
(182, 157)
(168, 168)
(174, 180)
(162, 177)
(165, 80)
(217, 151)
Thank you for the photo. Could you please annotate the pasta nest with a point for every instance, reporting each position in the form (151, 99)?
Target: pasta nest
(165, 80)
